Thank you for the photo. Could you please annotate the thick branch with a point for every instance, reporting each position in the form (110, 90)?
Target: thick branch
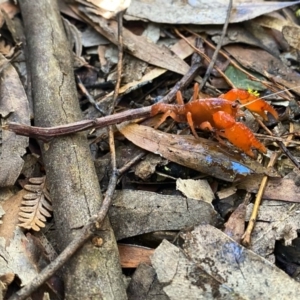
(70, 170)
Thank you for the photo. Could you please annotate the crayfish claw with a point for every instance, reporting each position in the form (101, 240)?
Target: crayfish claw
(251, 101)
(237, 133)
(243, 138)
(260, 106)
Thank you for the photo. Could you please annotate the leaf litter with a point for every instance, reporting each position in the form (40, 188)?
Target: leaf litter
(226, 274)
(199, 260)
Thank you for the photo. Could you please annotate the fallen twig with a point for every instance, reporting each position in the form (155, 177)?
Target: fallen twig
(48, 133)
(246, 238)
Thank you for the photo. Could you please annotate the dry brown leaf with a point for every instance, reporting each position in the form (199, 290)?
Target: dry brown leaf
(145, 168)
(144, 285)
(234, 268)
(182, 278)
(226, 192)
(290, 30)
(9, 8)
(280, 189)
(181, 48)
(235, 34)
(137, 212)
(13, 107)
(273, 21)
(235, 226)
(11, 206)
(138, 46)
(199, 154)
(15, 257)
(36, 205)
(291, 35)
(131, 255)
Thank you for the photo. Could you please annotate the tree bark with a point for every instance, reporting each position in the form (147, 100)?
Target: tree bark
(93, 273)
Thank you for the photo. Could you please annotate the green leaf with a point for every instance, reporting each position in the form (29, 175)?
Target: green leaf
(242, 81)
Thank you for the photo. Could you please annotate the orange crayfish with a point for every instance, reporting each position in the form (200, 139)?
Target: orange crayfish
(219, 115)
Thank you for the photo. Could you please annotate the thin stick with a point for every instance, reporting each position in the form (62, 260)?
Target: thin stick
(215, 55)
(46, 134)
(205, 57)
(120, 61)
(88, 95)
(247, 235)
(246, 239)
(277, 138)
(116, 93)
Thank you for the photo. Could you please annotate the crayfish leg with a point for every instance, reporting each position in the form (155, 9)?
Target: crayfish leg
(196, 92)
(191, 124)
(218, 135)
(206, 126)
(179, 98)
(163, 118)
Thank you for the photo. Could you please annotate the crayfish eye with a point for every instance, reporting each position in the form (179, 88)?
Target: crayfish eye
(235, 104)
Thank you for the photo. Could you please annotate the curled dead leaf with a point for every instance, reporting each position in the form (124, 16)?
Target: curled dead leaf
(199, 154)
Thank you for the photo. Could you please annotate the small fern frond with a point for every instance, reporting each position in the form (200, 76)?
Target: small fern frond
(36, 205)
